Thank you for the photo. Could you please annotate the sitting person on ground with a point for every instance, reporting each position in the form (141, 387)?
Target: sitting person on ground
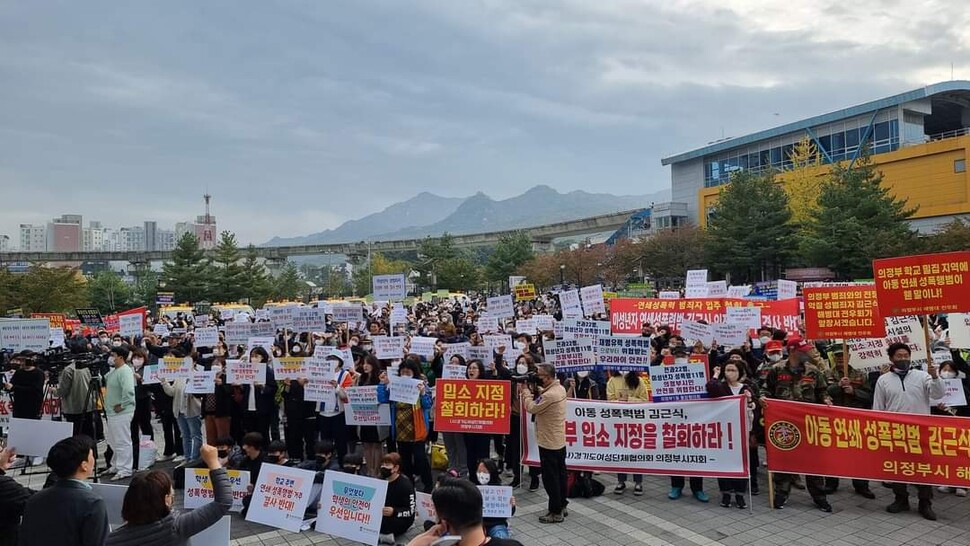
(399, 504)
(487, 474)
(147, 508)
(276, 453)
(325, 458)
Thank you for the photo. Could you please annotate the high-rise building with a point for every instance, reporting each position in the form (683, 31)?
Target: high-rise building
(131, 238)
(4, 243)
(33, 238)
(164, 239)
(64, 234)
(151, 235)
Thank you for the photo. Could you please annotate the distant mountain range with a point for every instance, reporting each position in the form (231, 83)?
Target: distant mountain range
(427, 214)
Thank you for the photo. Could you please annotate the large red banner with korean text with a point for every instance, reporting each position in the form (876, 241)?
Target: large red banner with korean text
(628, 315)
(57, 320)
(924, 284)
(842, 312)
(471, 405)
(883, 446)
(687, 438)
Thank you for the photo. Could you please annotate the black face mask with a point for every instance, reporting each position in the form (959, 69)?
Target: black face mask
(323, 460)
(273, 459)
(350, 469)
(385, 473)
(222, 453)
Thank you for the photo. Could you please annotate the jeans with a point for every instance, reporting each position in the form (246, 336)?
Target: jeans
(637, 478)
(191, 429)
(119, 438)
(553, 464)
(696, 484)
(500, 530)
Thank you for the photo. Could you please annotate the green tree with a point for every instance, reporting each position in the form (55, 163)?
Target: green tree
(227, 273)
(803, 181)
(432, 255)
(51, 290)
(750, 236)
(379, 264)
(858, 220)
(951, 237)
(109, 293)
(288, 285)
(189, 273)
(510, 253)
(459, 273)
(145, 289)
(255, 280)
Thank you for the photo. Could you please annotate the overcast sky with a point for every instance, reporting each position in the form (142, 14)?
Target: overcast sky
(297, 116)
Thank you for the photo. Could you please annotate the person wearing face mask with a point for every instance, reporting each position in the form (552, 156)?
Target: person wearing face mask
(217, 406)
(277, 454)
(548, 406)
(399, 504)
(410, 424)
(848, 391)
(259, 400)
(141, 422)
(801, 381)
(759, 342)
(253, 447)
(907, 390)
(581, 386)
(627, 387)
(487, 473)
(513, 447)
(147, 508)
(119, 404)
(729, 380)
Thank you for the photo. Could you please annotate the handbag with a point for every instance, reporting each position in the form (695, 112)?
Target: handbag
(439, 457)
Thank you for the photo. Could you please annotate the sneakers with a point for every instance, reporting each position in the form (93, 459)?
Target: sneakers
(739, 500)
(701, 496)
(164, 458)
(944, 489)
(754, 489)
(823, 505)
(675, 493)
(565, 512)
(620, 488)
(109, 471)
(926, 510)
(960, 492)
(780, 501)
(899, 505)
(551, 518)
(387, 538)
(120, 476)
(534, 484)
(726, 500)
(178, 459)
(638, 490)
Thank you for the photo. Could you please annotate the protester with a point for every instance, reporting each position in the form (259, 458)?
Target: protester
(410, 425)
(398, 512)
(487, 473)
(26, 386)
(147, 508)
(907, 390)
(679, 351)
(119, 401)
(276, 453)
(301, 419)
(13, 500)
(513, 447)
(260, 399)
(77, 405)
(458, 504)
(217, 406)
(81, 518)
(848, 391)
(731, 381)
(548, 407)
(188, 411)
(476, 445)
(253, 446)
(371, 435)
(627, 387)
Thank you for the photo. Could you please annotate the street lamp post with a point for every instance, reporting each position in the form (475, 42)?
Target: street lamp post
(562, 275)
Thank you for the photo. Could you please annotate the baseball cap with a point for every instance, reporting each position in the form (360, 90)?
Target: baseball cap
(798, 344)
(774, 345)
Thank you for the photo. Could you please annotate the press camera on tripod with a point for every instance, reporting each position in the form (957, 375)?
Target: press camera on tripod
(54, 360)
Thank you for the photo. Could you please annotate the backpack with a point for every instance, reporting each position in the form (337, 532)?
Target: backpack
(582, 485)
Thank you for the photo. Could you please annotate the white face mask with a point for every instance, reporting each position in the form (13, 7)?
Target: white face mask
(948, 375)
(680, 360)
(137, 362)
(774, 357)
(582, 375)
(521, 369)
(216, 368)
(765, 340)
(520, 345)
(483, 478)
(116, 344)
(103, 339)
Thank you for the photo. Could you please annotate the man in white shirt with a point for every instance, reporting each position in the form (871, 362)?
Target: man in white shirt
(906, 390)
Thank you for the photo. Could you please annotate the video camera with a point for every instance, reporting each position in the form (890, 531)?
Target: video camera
(54, 360)
(531, 379)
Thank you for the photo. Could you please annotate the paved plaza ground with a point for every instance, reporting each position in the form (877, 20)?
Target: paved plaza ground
(653, 519)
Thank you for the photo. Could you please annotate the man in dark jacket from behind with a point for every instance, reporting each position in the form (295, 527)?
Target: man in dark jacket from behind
(13, 498)
(68, 513)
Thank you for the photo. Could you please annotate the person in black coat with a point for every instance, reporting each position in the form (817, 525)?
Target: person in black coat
(13, 499)
(67, 513)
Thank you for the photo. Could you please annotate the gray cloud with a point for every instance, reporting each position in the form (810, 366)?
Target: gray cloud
(299, 115)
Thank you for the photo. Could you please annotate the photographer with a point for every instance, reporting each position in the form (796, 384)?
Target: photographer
(74, 390)
(547, 403)
(27, 386)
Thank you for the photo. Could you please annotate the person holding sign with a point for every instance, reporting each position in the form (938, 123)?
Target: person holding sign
(906, 390)
(409, 424)
(459, 506)
(399, 504)
(188, 412)
(147, 508)
(259, 399)
(370, 435)
(848, 391)
(487, 473)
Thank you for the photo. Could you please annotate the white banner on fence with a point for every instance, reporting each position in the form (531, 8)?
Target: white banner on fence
(690, 438)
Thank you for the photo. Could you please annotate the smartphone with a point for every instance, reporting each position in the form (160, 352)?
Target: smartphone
(448, 540)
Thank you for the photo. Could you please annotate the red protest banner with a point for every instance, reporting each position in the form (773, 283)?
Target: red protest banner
(899, 447)
(471, 405)
(924, 284)
(112, 322)
(628, 315)
(842, 312)
(57, 320)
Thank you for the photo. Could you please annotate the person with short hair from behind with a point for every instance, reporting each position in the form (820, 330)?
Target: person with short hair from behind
(13, 499)
(147, 508)
(68, 513)
(458, 504)
(119, 404)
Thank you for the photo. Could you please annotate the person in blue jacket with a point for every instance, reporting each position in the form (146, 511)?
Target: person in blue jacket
(409, 424)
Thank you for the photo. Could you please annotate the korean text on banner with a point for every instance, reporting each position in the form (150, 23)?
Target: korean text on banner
(198, 488)
(201, 382)
(389, 347)
(389, 287)
(842, 312)
(474, 406)
(25, 334)
(351, 506)
(404, 389)
(496, 501)
(592, 298)
(130, 325)
(675, 380)
(501, 306)
(697, 331)
(787, 290)
(206, 337)
(959, 331)
(896, 447)
(524, 292)
(423, 346)
(688, 438)
(363, 409)
(244, 372)
(924, 284)
(290, 367)
(585, 328)
(623, 353)
(280, 497)
(571, 355)
(172, 368)
(750, 317)
(571, 305)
